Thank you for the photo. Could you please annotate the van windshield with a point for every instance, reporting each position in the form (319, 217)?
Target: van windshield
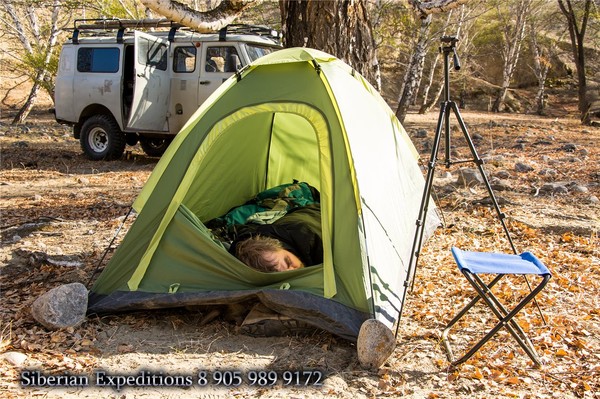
(255, 52)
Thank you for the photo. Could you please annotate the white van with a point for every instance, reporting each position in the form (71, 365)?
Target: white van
(118, 85)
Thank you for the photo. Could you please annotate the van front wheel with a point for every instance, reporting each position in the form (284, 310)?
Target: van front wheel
(101, 138)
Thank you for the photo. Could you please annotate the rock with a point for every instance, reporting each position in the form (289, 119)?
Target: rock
(577, 188)
(503, 174)
(20, 144)
(569, 147)
(554, 188)
(63, 306)
(500, 184)
(548, 172)
(15, 358)
(593, 199)
(571, 159)
(488, 201)
(496, 159)
(420, 133)
(469, 177)
(522, 167)
(445, 175)
(375, 344)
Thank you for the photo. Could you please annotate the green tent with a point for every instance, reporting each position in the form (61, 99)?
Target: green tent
(294, 114)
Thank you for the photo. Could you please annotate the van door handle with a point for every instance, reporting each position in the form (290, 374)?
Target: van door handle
(205, 82)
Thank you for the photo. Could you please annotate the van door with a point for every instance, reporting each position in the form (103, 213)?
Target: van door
(149, 109)
(184, 84)
(220, 61)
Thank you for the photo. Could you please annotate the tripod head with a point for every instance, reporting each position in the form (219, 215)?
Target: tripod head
(449, 45)
(449, 39)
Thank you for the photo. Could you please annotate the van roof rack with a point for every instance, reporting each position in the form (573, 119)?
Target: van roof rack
(120, 25)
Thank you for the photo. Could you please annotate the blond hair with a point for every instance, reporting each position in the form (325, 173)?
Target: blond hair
(252, 252)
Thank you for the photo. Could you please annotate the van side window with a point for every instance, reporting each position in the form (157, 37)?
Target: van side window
(153, 54)
(221, 59)
(98, 60)
(184, 59)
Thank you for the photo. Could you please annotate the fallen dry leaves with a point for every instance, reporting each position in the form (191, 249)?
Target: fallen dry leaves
(73, 208)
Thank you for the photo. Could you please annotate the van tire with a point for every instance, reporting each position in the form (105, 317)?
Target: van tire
(154, 147)
(101, 138)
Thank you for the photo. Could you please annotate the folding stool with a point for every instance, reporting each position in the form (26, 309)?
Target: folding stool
(472, 264)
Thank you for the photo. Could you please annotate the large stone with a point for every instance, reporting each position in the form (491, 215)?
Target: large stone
(63, 306)
(554, 188)
(523, 167)
(375, 344)
(469, 177)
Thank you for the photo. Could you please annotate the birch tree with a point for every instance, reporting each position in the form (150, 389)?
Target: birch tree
(414, 71)
(38, 40)
(541, 47)
(513, 21)
(426, 104)
(577, 14)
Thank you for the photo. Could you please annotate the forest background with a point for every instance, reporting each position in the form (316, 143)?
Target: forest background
(515, 54)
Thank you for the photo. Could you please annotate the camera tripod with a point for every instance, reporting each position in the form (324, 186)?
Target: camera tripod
(448, 47)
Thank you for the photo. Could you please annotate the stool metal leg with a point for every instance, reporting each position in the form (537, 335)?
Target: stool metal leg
(459, 316)
(505, 317)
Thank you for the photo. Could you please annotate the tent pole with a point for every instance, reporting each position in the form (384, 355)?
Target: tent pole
(108, 248)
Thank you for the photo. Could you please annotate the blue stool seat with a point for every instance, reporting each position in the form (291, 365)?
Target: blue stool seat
(496, 263)
(472, 264)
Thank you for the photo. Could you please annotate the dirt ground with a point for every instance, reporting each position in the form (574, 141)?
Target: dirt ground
(60, 211)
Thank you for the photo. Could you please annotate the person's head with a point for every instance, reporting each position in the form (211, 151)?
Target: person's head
(266, 254)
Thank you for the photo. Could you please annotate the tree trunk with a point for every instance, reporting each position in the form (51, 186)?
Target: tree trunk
(432, 69)
(514, 32)
(540, 68)
(340, 28)
(577, 34)
(414, 72)
(41, 72)
(24, 111)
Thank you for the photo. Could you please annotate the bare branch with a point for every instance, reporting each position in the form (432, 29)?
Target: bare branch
(209, 21)
(18, 26)
(435, 6)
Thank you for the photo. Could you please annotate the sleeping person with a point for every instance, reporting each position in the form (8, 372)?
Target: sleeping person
(291, 242)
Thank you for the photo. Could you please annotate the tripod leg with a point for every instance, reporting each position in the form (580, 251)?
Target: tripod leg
(479, 162)
(418, 239)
